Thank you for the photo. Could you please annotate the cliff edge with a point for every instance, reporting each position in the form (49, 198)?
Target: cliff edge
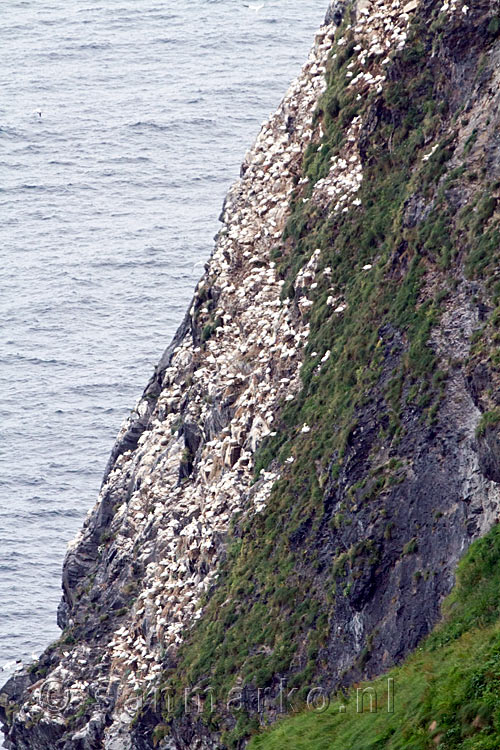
(319, 445)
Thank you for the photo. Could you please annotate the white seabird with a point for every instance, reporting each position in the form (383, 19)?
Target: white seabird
(254, 7)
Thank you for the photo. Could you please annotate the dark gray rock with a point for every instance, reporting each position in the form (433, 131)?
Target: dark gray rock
(489, 454)
(335, 12)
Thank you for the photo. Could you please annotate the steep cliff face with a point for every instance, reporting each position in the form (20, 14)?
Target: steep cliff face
(319, 445)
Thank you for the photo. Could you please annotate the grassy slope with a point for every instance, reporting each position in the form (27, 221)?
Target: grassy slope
(445, 694)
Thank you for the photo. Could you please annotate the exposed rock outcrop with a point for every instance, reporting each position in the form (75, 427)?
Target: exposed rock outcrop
(383, 476)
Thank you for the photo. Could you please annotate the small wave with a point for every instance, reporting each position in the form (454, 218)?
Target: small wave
(26, 187)
(148, 125)
(169, 41)
(93, 387)
(94, 46)
(7, 132)
(127, 160)
(39, 361)
(45, 513)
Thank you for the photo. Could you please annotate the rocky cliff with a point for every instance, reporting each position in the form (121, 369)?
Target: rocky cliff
(319, 444)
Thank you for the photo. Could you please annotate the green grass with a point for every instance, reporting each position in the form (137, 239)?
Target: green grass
(448, 690)
(490, 419)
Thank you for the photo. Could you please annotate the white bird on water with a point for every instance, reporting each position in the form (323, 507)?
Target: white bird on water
(254, 7)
